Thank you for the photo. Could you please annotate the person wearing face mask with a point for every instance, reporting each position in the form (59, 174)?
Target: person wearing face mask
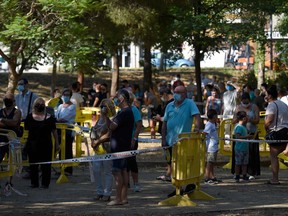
(230, 98)
(40, 125)
(178, 118)
(102, 169)
(120, 135)
(213, 101)
(252, 112)
(166, 97)
(276, 119)
(25, 99)
(66, 113)
(10, 118)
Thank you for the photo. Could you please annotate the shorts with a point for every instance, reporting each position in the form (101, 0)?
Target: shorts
(212, 157)
(241, 157)
(119, 165)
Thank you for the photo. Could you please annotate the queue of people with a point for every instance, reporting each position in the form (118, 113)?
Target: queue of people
(171, 105)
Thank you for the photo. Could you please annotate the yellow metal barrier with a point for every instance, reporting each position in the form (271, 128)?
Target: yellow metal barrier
(225, 147)
(87, 115)
(63, 127)
(188, 165)
(14, 160)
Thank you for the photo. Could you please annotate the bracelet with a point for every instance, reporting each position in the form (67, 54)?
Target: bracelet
(136, 139)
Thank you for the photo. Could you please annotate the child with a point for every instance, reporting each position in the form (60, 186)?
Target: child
(241, 148)
(211, 145)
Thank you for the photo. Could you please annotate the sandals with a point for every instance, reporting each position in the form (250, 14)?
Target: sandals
(114, 203)
(164, 178)
(270, 182)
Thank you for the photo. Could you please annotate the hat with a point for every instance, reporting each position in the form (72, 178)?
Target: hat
(230, 83)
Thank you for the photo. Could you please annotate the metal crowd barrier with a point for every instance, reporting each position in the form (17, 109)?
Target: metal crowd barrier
(188, 165)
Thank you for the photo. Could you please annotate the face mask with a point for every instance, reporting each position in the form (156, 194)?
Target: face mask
(162, 98)
(8, 102)
(116, 101)
(20, 88)
(245, 105)
(39, 108)
(65, 99)
(229, 88)
(177, 97)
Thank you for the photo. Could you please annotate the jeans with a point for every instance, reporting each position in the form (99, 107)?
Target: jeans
(103, 177)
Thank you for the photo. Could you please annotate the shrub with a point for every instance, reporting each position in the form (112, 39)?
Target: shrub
(248, 78)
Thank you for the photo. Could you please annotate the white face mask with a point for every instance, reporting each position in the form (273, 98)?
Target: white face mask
(245, 105)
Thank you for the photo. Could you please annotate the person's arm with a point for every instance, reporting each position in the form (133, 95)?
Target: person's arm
(206, 106)
(256, 117)
(136, 134)
(197, 122)
(15, 122)
(268, 121)
(106, 136)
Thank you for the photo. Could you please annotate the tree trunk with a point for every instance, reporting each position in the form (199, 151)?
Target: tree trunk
(53, 78)
(80, 78)
(147, 82)
(13, 77)
(115, 74)
(198, 76)
(260, 63)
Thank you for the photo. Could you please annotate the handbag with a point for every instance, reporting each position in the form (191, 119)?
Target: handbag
(277, 135)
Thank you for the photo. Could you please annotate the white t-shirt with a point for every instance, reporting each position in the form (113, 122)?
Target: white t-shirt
(282, 121)
(77, 99)
(284, 99)
(211, 137)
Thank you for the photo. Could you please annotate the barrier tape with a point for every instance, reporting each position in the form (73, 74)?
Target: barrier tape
(111, 156)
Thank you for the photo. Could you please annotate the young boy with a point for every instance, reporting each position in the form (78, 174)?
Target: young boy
(241, 148)
(211, 146)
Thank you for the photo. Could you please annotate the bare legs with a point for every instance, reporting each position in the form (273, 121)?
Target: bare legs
(274, 152)
(121, 181)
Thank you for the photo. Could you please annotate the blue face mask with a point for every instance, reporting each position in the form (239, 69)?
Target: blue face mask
(177, 97)
(229, 88)
(116, 102)
(65, 99)
(20, 88)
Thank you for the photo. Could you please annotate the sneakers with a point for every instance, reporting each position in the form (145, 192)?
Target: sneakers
(189, 188)
(106, 198)
(98, 197)
(246, 178)
(251, 177)
(209, 181)
(173, 193)
(137, 188)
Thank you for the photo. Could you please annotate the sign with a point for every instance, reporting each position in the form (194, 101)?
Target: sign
(275, 35)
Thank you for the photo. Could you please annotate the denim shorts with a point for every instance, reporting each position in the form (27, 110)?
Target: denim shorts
(241, 157)
(212, 157)
(119, 165)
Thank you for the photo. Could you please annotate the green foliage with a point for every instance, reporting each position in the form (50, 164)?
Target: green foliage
(248, 78)
(281, 80)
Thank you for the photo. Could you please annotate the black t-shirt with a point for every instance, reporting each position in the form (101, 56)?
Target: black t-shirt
(91, 92)
(121, 137)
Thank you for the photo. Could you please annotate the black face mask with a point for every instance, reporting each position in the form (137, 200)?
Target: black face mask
(39, 108)
(8, 102)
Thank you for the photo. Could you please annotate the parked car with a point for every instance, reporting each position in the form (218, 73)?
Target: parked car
(3, 65)
(171, 60)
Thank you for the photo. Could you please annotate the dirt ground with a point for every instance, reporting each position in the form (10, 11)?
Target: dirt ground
(76, 196)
